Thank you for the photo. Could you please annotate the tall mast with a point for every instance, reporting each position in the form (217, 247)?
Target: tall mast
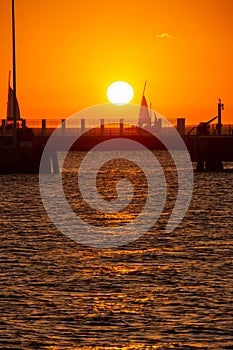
(9, 79)
(144, 88)
(14, 75)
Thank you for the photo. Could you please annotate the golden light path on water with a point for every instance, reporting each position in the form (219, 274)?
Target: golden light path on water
(163, 291)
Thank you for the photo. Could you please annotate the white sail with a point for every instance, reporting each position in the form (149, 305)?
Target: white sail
(10, 108)
(144, 115)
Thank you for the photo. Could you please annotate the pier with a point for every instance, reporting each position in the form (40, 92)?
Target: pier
(209, 152)
(209, 147)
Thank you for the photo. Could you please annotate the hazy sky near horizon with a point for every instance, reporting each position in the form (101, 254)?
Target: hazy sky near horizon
(68, 52)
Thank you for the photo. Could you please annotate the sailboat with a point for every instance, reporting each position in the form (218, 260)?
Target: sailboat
(19, 152)
(144, 117)
(22, 154)
(10, 104)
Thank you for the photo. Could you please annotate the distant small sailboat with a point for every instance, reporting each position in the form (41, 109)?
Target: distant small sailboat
(144, 115)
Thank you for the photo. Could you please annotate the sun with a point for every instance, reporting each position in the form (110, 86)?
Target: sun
(120, 93)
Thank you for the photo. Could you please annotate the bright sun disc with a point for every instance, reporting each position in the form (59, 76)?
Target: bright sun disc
(120, 93)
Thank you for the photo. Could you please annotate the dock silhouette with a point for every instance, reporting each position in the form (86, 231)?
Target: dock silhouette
(209, 145)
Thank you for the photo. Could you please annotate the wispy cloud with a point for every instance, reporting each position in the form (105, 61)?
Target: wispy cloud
(163, 36)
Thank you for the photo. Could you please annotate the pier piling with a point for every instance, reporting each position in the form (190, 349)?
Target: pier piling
(3, 127)
(43, 132)
(121, 127)
(83, 126)
(101, 127)
(180, 125)
(63, 127)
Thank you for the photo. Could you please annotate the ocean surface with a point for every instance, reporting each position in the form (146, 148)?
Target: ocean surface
(161, 291)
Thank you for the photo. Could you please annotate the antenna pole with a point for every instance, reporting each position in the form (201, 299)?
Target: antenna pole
(14, 75)
(219, 125)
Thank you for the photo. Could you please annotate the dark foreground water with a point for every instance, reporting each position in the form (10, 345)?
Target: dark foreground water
(163, 291)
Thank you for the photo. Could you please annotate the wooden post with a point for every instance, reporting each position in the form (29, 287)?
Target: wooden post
(101, 127)
(3, 127)
(45, 166)
(24, 124)
(43, 127)
(55, 164)
(63, 127)
(180, 124)
(159, 124)
(121, 127)
(83, 127)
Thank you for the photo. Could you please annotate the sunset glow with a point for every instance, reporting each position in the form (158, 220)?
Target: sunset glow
(68, 53)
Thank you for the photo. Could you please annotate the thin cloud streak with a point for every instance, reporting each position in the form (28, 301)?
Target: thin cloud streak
(163, 36)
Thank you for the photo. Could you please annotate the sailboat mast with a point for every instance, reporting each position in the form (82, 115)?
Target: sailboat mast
(144, 88)
(14, 75)
(9, 79)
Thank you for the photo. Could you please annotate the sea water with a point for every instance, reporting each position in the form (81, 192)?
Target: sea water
(162, 291)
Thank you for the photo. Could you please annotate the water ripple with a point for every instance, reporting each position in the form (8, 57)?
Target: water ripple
(164, 291)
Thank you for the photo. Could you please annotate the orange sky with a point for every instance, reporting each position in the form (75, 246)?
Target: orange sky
(68, 52)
